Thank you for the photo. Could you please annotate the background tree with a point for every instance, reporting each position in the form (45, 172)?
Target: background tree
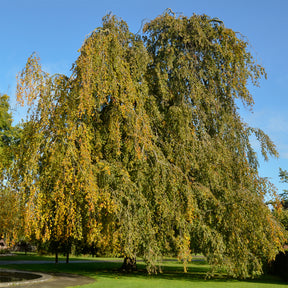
(142, 152)
(7, 134)
(280, 265)
(283, 174)
(9, 204)
(283, 215)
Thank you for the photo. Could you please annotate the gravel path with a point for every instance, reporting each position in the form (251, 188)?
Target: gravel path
(49, 280)
(58, 280)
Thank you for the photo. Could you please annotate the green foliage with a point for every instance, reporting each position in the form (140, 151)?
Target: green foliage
(283, 218)
(283, 174)
(9, 204)
(142, 152)
(6, 133)
(199, 68)
(282, 213)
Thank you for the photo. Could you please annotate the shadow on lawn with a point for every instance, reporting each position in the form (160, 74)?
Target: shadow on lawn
(197, 271)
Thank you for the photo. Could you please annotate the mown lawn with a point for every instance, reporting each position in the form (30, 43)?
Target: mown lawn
(108, 275)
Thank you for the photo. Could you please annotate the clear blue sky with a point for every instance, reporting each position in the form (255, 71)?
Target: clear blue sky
(56, 29)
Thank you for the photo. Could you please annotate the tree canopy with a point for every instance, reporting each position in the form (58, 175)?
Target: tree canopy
(283, 174)
(6, 133)
(282, 213)
(9, 138)
(142, 151)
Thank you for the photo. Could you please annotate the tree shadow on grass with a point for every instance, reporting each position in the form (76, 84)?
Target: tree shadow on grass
(172, 270)
(196, 272)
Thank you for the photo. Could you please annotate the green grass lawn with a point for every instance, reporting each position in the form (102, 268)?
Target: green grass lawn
(108, 274)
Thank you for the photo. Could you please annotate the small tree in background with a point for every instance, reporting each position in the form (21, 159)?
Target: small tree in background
(10, 227)
(283, 216)
(280, 265)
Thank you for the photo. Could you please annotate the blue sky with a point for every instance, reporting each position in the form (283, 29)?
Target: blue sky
(56, 29)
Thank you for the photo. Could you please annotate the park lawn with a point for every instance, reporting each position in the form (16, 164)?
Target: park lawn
(107, 275)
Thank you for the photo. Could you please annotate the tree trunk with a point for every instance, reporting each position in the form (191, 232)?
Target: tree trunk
(56, 256)
(129, 264)
(67, 257)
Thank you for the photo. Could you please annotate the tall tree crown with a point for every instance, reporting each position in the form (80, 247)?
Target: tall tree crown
(142, 150)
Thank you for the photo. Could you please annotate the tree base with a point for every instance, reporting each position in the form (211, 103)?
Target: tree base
(129, 264)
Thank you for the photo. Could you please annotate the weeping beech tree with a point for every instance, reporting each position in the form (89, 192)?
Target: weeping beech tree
(142, 151)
